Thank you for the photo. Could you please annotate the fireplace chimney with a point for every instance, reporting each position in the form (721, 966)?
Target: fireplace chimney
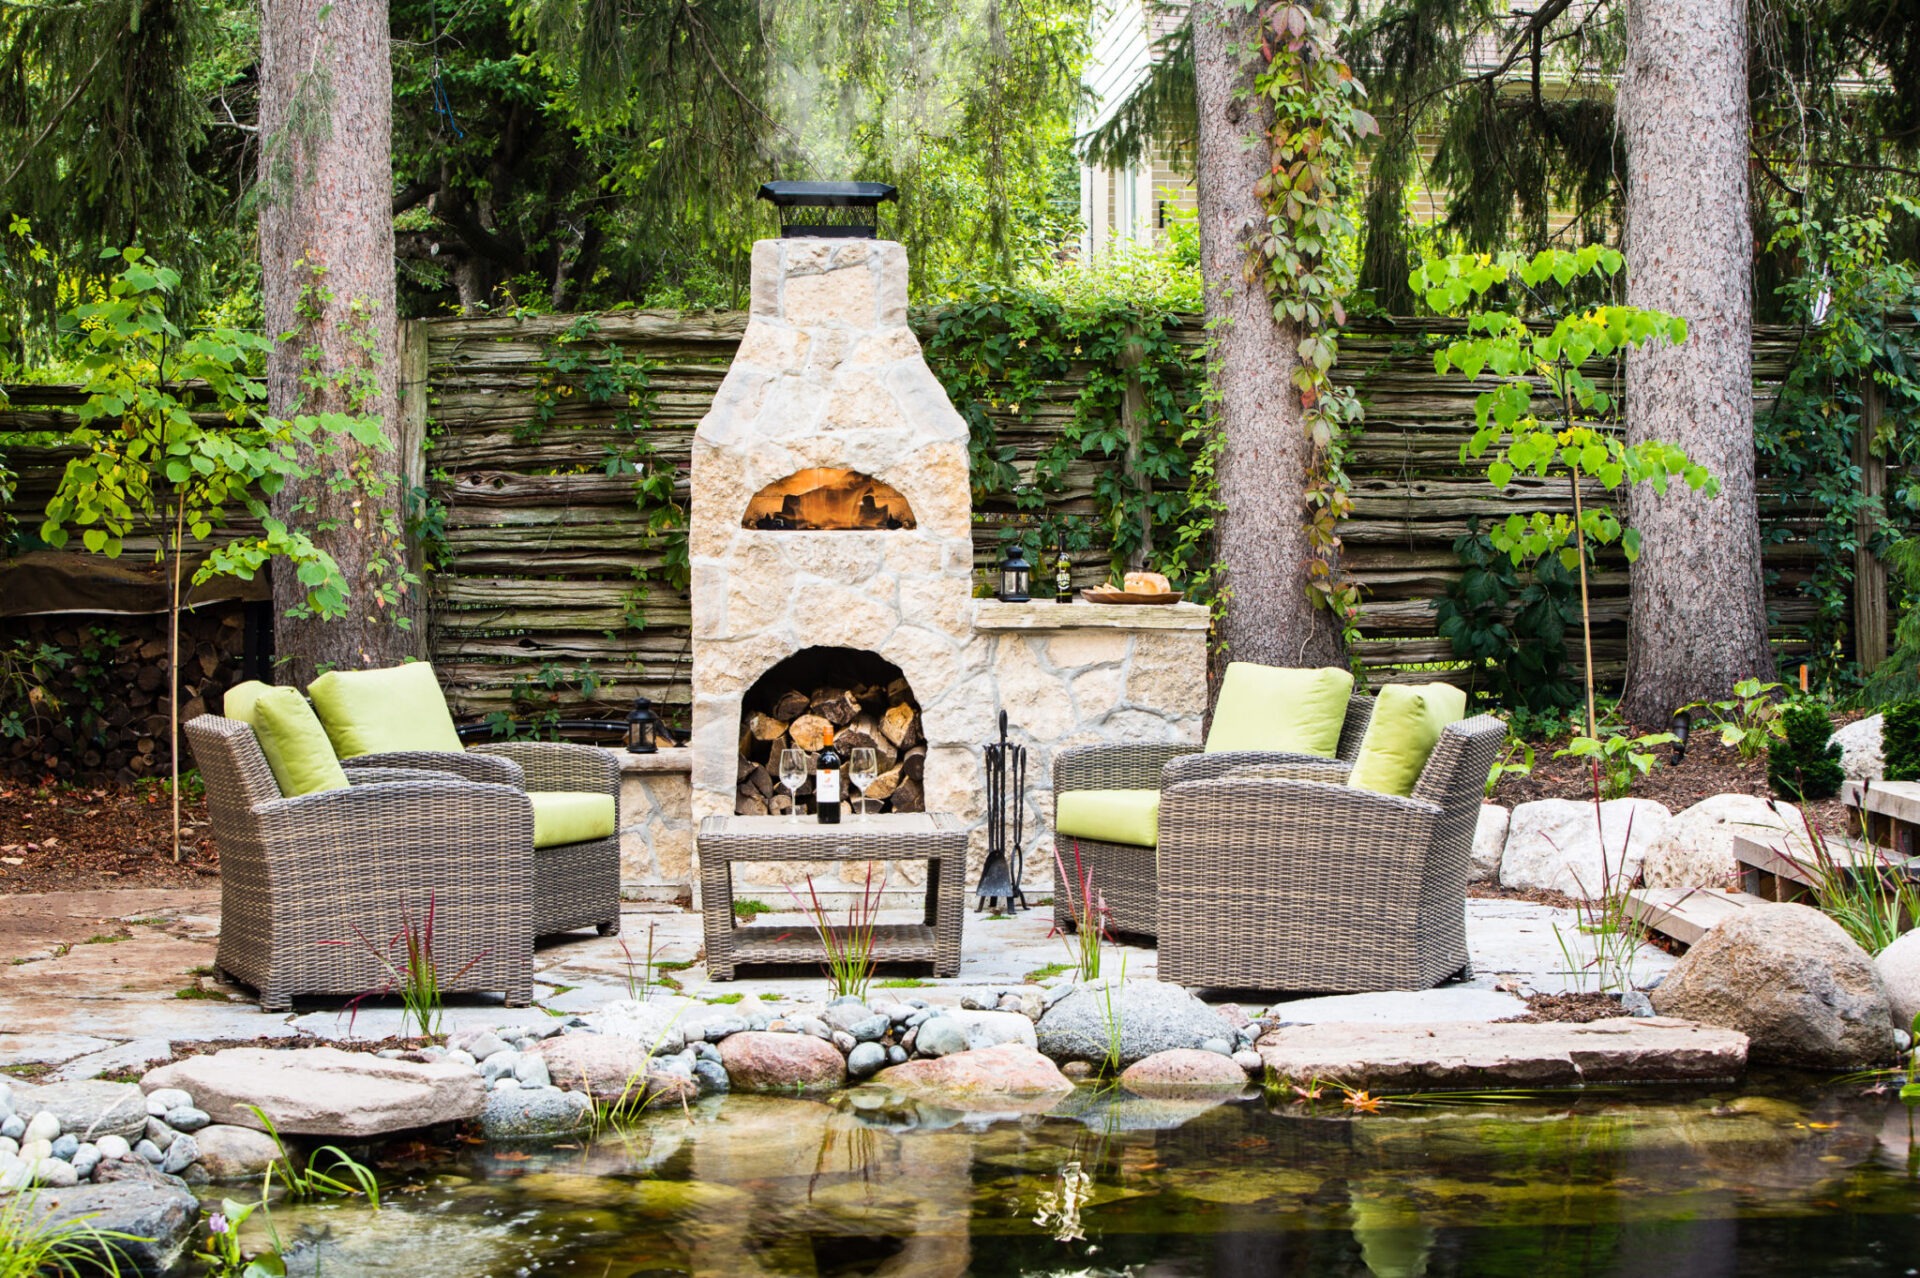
(834, 210)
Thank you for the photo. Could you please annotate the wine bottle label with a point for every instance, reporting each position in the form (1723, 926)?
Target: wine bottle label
(826, 787)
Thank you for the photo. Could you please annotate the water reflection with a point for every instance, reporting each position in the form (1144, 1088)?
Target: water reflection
(1787, 1180)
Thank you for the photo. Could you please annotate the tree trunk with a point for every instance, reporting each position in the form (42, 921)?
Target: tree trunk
(1261, 529)
(327, 290)
(1699, 613)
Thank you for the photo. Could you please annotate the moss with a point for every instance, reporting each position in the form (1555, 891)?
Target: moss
(197, 991)
(904, 983)
(726, 999)
(749, 909)
(1039, 974)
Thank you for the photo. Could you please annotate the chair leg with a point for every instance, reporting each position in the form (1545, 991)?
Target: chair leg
(610, 928)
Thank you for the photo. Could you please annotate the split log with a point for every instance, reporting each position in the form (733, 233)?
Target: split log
(766, 727)
(836, 705)
(884, 785)
(791, 705)
(900, 724)
(909, 797)
(758, 782)
(809, 732)
(914, 763)
(749, 806)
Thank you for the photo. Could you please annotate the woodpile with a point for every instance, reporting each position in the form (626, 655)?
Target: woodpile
(101, 706)
(881, 717)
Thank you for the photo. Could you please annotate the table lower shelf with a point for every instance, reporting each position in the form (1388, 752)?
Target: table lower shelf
(892, 943)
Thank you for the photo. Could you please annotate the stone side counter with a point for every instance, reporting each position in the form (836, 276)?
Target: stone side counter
(1066, 675)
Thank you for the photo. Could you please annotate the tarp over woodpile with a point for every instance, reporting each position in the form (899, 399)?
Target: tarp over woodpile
(50, 581)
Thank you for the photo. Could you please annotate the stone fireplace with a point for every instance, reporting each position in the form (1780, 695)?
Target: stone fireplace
(833, 562)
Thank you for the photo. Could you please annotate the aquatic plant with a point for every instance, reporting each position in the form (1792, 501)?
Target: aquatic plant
(641, 986)
(221, 1249)
(304, 1182)
(849, 950)
(33, 1246)
(1110, 1015)
(1089, 912)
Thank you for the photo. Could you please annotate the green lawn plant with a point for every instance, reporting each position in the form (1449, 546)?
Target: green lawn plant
(176, 465)
(1749, 720)
(1579, 442)
(849, 948)
(1805, 762)
(32, 1246)
(1618, 760)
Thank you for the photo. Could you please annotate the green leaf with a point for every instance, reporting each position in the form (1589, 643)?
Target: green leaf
(94, 539)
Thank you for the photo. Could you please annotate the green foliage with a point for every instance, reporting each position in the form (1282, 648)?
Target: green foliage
(1898, 678)
(1805, 762)
(1749, 720)
(414, 975)
(1858, 299)
(1516, 759)
(1620, 760)
(1515, 635)
(1900, 741)
(1873, 903)
(221, 1251)
(31, 1246)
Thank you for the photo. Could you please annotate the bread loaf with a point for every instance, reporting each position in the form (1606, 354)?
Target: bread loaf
(1147, 583)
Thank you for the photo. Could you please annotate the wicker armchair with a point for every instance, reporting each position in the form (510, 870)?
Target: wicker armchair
(1273, 879)
(575, 885)
(303, 880)
(1127, 875)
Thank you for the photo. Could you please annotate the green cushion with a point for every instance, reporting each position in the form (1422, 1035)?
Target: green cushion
(295, 744)
(1271, 708)
(378, 711)
(238, 703)
(570, 816)
(1109, 816)
(1406, 725)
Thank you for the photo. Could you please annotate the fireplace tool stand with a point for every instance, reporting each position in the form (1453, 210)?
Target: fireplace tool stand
(1006, 812)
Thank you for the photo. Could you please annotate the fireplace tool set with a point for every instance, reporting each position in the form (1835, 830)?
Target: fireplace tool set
(1006, 810)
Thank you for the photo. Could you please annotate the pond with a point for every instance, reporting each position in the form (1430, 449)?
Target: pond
(1783, 1178)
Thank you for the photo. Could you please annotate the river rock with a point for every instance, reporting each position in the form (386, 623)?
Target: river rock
(1489, 842)
(323, 1091)
(1154, 1016)
(44, 1125)
(605, 1066)
(182, 1154)
(234, 1153)
(156, 1219)
(162, 1099)
(1899, 968)
(187, 1118)
(1182, 1072)
(760, 1061)
(963, 1030)
(1862, 748)
(529, 1114)
(1790, 979)
(89, 1110)
(865, 1058)
(649, 1024)
(1008, 1069)
(1556, 845)
(1696, 848)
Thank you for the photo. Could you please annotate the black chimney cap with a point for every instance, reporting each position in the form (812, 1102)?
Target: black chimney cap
(839, 210)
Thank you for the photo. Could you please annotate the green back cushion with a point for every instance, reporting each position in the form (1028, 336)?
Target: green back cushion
(377, 711)
(570, 816)
(240, 698)
(1406, 724)
(1270, 708)
(1109, 816)
(295, 744)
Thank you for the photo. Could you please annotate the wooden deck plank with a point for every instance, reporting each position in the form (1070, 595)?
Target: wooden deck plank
(1897, 799)
(1797, 863)
(1686, 914)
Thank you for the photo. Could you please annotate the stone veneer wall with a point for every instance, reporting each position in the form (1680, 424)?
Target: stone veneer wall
(1066, 676)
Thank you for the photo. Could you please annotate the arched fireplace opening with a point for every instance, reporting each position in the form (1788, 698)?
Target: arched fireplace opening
(827, 498)
(863, 697)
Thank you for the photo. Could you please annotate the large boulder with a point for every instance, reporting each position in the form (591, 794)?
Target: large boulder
(964, 1030)
(1862, 748)
(89, 1110)
(1184, 1071)
(1558, 845)
(1152, 1016)
(323, 1091)
(235, 1153)
(606, 1067)
(535, 1114)
(1696, 848)
(758, 1061)
(1007, 1070)
(1899, 969)
(155, 1219)
(1489, 842)
(1792, 981)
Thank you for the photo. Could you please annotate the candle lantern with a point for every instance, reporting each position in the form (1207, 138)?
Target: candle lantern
(1015, 573)
(643, 728)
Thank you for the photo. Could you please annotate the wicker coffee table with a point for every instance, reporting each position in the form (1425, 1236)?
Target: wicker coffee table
(938, 838)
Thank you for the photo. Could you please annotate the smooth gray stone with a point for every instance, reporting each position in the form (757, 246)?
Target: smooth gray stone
(156, 1221)
(1219, 1046)
(499, 1064)
(940, 1036)
(844, 1014)
(544, 1114)
(185, 1118)
(159, 1134)
(85, 1159)
(480, 1045)
(705, 1051)
(712, 1076)
(162, 1099)
(14, 1128)
(871, 1030)
(724, 1027)
(182, 1154)
(896, 1055)
(150, 1152)
(532, 1072)
(1153, 1016)
(844, 999)
(89, 1110)
(865, 1058)
(65, 1147)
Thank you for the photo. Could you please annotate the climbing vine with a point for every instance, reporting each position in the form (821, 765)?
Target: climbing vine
(1304, 261)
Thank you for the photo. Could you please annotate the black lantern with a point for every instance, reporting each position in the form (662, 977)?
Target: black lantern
(1015, 572)
(643, 728)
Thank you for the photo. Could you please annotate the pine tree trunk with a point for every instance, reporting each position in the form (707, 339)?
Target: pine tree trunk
(1699, 613)
(327, 289)
(1261, 531)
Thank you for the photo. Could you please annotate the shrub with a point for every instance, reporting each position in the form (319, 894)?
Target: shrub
(1901, 741)
(1805, 764)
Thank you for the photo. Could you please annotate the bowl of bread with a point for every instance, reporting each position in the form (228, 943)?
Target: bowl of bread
(1135, 588)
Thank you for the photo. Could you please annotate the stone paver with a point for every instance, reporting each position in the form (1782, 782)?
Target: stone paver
(1449, 1003)
(77, 1005)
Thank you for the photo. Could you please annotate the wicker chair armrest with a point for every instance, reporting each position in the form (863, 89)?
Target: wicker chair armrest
(1251, 809)
(1135, 765)
(381, 776)
(401, 813)
(556, 765)
(488, 768)
(1222, 763)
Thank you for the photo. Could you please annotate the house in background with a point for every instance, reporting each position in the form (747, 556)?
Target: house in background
(1133, 203)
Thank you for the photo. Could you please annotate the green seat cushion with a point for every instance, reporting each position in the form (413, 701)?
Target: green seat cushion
(570, 816)
(1406, 725)
(295, 744)
(1109, 816)
(240, 698)
(1273, 708)
(379, 711)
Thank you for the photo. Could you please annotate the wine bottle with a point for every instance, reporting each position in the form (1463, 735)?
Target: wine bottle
(826, 782)
(1062, 575)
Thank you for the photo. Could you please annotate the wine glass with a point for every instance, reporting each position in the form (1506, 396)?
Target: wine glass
(793, 775)
(862, 768)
